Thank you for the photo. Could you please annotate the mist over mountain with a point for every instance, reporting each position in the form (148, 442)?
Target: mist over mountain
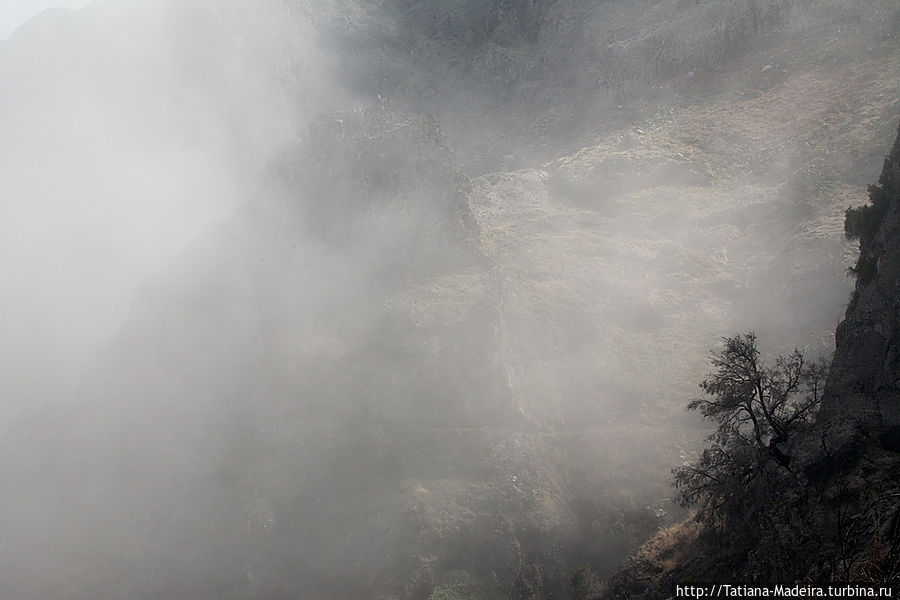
(402, 299)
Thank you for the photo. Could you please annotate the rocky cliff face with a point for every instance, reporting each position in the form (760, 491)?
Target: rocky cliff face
(864, 381)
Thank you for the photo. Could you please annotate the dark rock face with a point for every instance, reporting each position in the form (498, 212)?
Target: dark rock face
(864, 383)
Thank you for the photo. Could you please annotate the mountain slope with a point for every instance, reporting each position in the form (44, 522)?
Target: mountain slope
(444, 343)
(840, 513)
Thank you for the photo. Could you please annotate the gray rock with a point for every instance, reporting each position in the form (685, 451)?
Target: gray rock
(864, 381)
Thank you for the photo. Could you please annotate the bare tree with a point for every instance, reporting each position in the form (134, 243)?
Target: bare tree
(757, 408)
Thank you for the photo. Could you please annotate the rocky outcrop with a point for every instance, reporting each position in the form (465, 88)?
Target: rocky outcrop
(864, 381)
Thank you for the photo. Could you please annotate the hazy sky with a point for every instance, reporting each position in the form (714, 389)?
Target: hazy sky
(15, 13)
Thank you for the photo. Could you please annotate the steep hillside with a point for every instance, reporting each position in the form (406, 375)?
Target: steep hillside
(442, 347)
(836, 519)
(516, 83)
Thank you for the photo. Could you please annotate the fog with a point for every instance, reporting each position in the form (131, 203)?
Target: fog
(130, 129)
(374, 299)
